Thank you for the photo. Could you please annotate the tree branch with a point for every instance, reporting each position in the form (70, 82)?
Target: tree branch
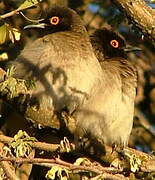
(97, 169)
(38, 145)
(147, 161)
(7, 168)
(140, 14)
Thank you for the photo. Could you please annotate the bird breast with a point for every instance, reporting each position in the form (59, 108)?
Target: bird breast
(109, 115)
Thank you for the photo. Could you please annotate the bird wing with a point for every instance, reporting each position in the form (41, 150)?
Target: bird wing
(65, 70)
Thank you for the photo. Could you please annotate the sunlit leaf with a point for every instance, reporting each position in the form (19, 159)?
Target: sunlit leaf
(82, 161)
(3, 56)
(14, 34)
(65, 145)
(135, 162)
(28, 4)
(4, 32)
(21, 144)
(8, 33)
(10, 71)
(56, 170)
(2, 174)
(13, 87)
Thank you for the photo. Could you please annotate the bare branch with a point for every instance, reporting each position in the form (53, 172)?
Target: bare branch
(12, 13)
(52, 162)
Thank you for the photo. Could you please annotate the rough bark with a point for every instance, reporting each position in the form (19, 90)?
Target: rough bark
(140, 14)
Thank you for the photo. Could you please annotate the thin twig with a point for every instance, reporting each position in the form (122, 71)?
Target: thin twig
(12, 13)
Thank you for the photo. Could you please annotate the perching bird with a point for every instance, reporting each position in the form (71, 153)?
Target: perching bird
(108, 117)
(62, 64)
(107, 44)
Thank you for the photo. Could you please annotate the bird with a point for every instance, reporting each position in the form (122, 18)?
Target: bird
(63, 66)
(108, 117)
(107, 44)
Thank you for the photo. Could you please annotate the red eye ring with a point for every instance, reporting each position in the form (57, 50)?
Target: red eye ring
(114, 43)
(54, 20)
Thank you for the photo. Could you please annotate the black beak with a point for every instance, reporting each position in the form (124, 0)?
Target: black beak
(129, 48)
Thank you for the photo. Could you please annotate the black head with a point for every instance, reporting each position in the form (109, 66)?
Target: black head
(109, 43)
(59, 19)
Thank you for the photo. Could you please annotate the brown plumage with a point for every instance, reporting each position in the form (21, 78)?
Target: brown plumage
(108, 117)
(63, 66)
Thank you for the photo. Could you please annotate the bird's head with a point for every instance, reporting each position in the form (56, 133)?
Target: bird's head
(58, 19)
(110, 43)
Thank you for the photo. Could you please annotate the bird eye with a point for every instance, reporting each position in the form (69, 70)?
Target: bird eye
(114, 43)
(54, 20)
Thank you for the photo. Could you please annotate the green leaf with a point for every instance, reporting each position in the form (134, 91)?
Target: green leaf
(135, 162)
(3, 56)
(10, 71)
(21, 144)
(65, 145)
(28, 4)
(56, 170)
(7, 32)
(81, 161)
(14, 34)
(4, 32)
(13, 87)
